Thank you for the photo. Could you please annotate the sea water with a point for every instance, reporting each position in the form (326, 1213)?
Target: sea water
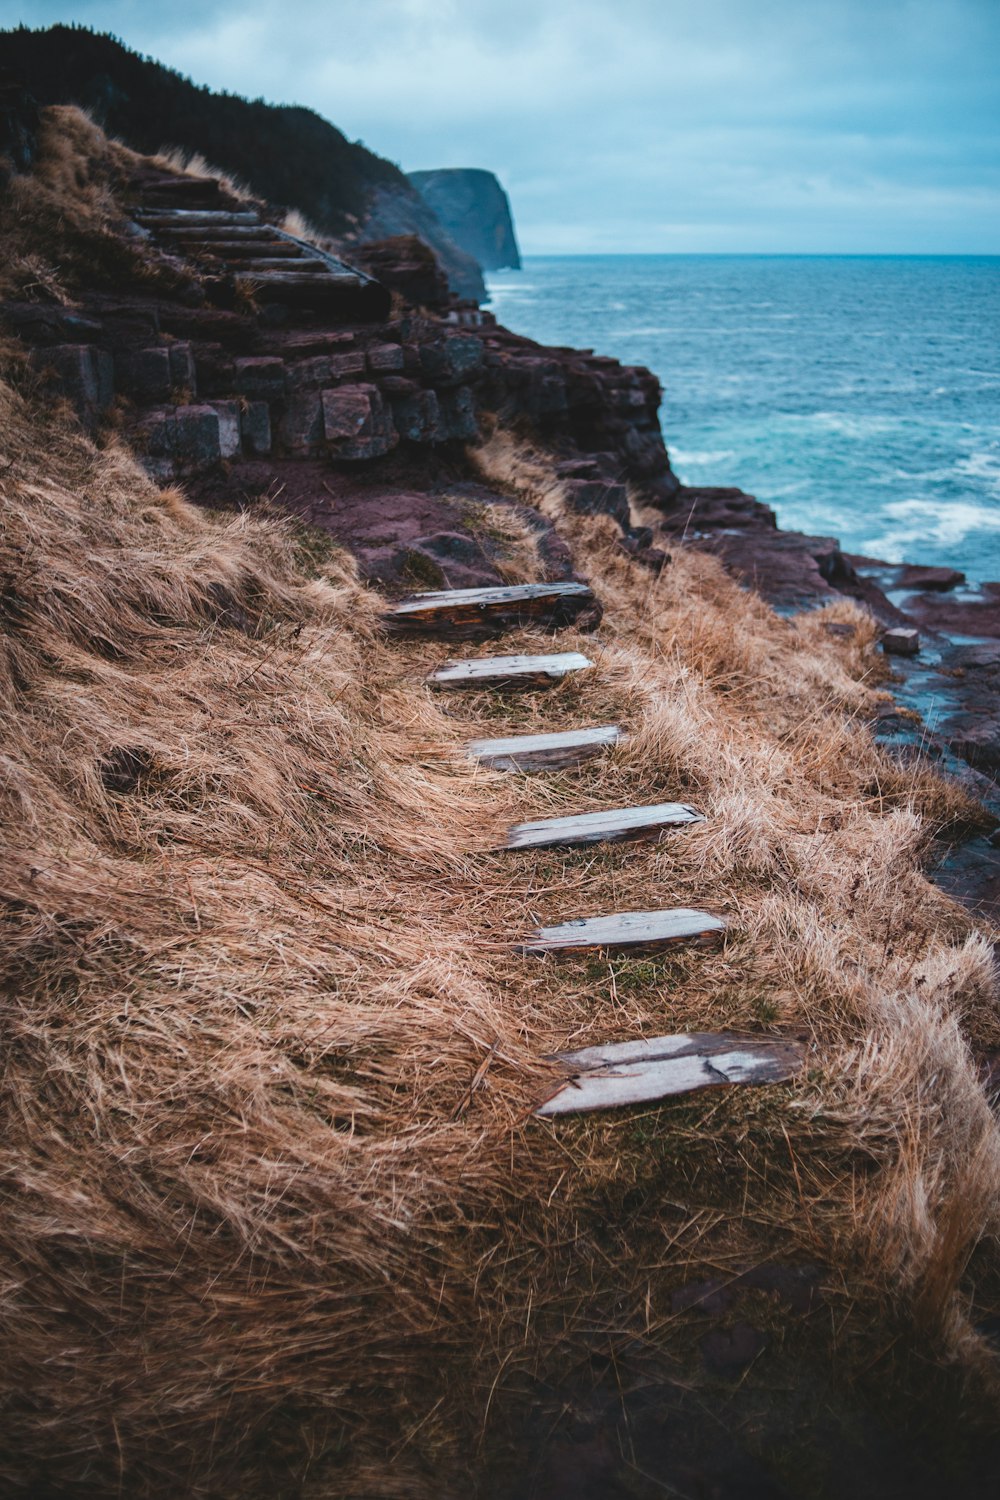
(859, 396)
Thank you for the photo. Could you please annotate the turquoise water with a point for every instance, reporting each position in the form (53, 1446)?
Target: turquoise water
(860, 396)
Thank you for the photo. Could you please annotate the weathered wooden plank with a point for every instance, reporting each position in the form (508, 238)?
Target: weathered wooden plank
(298, 263)
(509, 673)
(490, 611)
(637, 930)
(545, 752)
(657, 1067)
(196, 233)
(610, 825)
(195, 218)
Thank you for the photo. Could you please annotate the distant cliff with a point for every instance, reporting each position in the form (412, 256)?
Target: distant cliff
(475, 211)
(290, 156)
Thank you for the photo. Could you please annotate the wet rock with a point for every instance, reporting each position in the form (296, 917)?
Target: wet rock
(901, 641)
(936, 580)
(977, 613)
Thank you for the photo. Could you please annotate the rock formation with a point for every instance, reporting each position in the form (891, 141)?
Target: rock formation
(475, 211)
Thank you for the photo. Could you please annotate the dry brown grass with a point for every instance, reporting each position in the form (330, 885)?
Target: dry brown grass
(271, 1188)
(60, 224)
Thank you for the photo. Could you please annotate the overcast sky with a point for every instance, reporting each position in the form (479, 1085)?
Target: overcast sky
(636, 125)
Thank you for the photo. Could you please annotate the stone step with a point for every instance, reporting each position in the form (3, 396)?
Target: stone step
(463, 613)
(642, 931)
(545, 752)
(510, 673)
(623, 1073)
(608, 826)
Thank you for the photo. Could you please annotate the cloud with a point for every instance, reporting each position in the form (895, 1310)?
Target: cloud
(648, 124)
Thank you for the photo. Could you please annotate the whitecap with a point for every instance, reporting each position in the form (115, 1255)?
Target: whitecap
(931, 524)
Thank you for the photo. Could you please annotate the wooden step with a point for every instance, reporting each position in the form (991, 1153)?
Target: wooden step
(490, 611)
(643, 931)
(509, 672)
(545, 752)
(299, 264)
(608, 826)
(194, 218)
(241, 250)
(225, 233)
(657, 1067)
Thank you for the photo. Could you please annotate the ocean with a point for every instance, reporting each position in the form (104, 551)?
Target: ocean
(859, 396)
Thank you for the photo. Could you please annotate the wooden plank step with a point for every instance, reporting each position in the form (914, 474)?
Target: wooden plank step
(545, 752)
(509, 672)
(224, 232)
(610, 825)
(467, 612)
(657, 1067)
(301, 264)
(198, 218)
(273, 249)
(644, 931)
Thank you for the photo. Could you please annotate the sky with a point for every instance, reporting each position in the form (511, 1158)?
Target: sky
(776, 126)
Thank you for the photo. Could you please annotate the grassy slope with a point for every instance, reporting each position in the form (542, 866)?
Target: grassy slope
(271, 1187)
(288, 154)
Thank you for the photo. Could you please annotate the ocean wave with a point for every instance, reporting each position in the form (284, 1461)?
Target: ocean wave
(701, 455)
(930, 524)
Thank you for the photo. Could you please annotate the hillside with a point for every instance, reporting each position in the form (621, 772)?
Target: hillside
(279, 1215)
(287, 155)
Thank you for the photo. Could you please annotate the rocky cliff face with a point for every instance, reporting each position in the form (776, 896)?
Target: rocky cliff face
(475, 211)
(289, 156)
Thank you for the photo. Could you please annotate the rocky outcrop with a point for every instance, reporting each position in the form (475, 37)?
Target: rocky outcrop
(475, 211)
(392, 210)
